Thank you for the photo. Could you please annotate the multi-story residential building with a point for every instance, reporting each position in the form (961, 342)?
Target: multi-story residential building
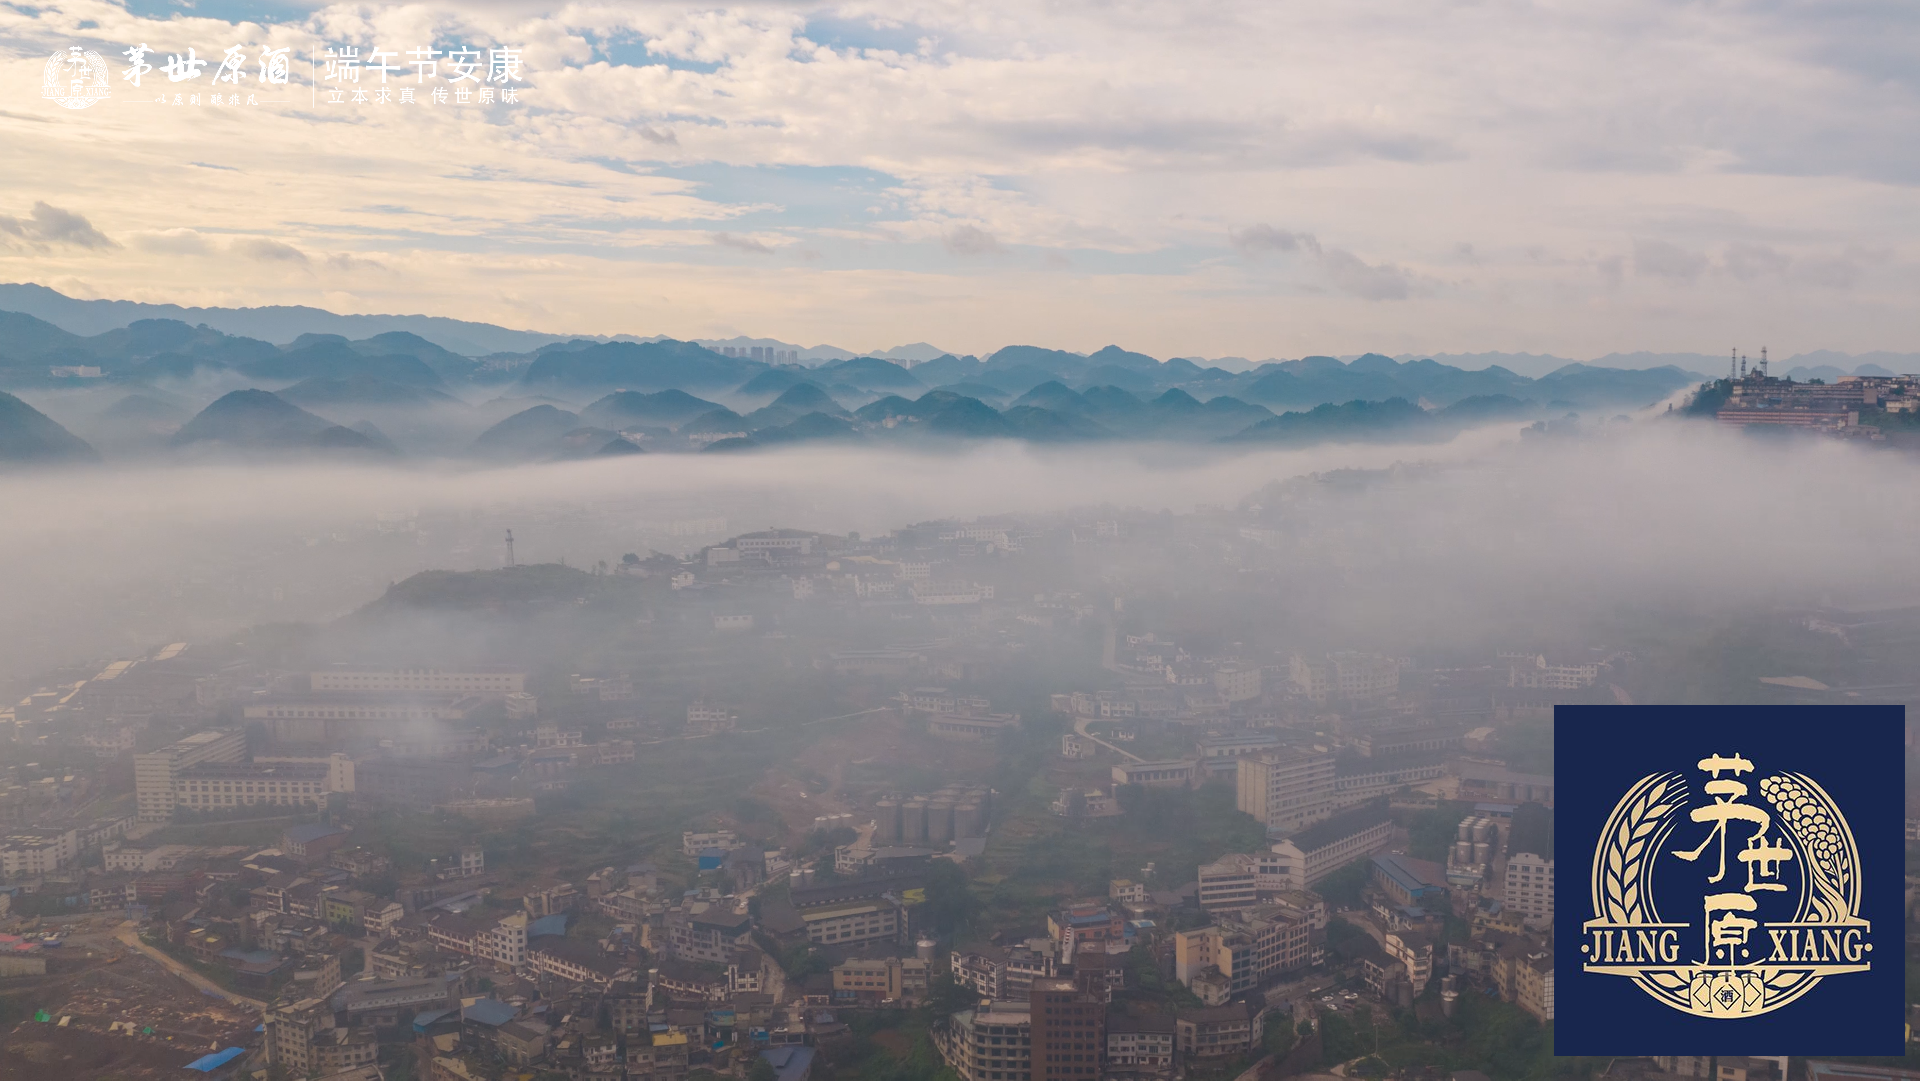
(941, 700)
(1215, 950)
(477, 681)
(1001, 974)
(574, 960)
(1414, 952)
(1351, 677)
(503, 942)
(1237, 682)
(710, 935)
(1321, 849)
(860, 920)
(1529, 886)
(1126, 891)
(1417, 739)
(1140, 1044)
(1083, 924)
(705, 716)
(1220, 752)
(692, 843)
(971, 727)
(214, 786)
(1069, 1027)
(993, 1042)
(1534, 672)
(1244, 879)
(38, 851)
(1229, 882)
(155, 772)
(881, 979)
(775, 544)
(1248, 947)
(1288, 790)
(1176, 773)
(302, 1040)
(1217, 1031)
(1533, 986)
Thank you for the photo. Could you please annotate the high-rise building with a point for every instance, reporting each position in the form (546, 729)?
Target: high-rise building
(1288, 790)
(155, 773)
(1530, 886)
(1069, 1030)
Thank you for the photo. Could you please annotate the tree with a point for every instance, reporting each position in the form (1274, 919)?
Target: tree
(946, 996)
(761, 1070)
(1343, 887)
(951, 903)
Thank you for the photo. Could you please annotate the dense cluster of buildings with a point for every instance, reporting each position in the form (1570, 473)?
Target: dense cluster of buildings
(746, 946)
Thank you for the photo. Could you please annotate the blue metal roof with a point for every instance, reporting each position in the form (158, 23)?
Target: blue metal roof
(210, 1063)
(1404, 876)
(488, 1011)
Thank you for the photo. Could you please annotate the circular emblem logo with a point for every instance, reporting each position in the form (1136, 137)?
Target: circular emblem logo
(74, 79)
(1730, 902)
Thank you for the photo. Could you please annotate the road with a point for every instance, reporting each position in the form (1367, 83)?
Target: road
(131, 939)
(1080, 726)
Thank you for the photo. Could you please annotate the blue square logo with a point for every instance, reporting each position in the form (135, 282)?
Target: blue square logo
(1729, 880)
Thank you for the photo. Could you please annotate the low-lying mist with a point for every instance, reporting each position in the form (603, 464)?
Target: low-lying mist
(1499, 531)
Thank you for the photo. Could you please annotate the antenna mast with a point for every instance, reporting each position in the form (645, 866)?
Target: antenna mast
(1733, 362)
(510, 561)
(1763, 362)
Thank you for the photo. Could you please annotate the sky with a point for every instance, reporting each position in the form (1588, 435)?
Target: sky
(1262, 178)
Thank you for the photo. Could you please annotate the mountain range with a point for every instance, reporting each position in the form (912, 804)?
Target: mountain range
(170, 386)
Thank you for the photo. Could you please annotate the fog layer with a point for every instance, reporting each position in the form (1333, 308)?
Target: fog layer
(111, 561)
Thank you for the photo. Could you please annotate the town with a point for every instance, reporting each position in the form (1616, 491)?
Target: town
(1000, 800)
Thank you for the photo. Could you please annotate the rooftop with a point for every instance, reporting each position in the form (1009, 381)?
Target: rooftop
(1343, 825)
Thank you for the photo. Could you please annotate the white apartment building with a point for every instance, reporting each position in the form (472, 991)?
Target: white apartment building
(219, 785)
(1288, 790)
(1529, 886)
(1237, 682)
(156, 772)
(479, 681)
(505, 943)
(38, 851)
(777, 542)
(931, 592)
(1354, 677)
(1535, 672)
(1316, 852)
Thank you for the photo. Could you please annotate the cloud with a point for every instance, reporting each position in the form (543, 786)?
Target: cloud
(1352, 275)
(970, 240)
(171, 242)
(741, 243)
(1659, 259)
(1748, 262)
(1256, 239)
(50, 225)
(1131, 145)
(1346, 271)
(268, 251)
